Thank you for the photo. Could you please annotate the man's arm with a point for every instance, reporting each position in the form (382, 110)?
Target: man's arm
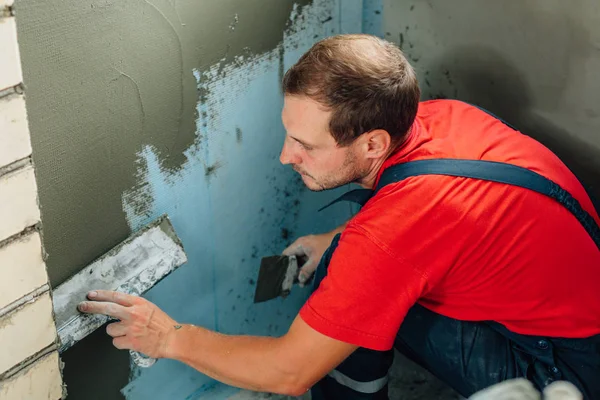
(289, 365)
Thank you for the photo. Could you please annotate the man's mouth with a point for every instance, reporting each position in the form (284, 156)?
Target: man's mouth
(298, 170)
(302, 172)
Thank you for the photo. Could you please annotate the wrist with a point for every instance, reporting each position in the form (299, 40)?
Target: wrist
(173, 340)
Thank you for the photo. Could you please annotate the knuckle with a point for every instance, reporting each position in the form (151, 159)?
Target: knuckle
(138, 312)
(134, 312)
(142, 314)
(135, 330)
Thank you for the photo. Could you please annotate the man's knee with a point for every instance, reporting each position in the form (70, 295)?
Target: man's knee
(468, 356)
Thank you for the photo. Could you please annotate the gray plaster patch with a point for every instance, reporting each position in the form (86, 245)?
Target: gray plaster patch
(105, 78)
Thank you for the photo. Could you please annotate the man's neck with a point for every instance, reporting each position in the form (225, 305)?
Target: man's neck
(368, 181)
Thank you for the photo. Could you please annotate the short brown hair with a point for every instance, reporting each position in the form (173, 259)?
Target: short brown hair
(365, 81)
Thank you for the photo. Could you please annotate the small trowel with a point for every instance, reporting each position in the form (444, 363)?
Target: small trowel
(276, 276)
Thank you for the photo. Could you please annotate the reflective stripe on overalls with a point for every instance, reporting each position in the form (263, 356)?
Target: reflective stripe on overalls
(362, 387)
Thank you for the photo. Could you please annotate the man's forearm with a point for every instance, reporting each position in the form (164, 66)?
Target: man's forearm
(247, 362)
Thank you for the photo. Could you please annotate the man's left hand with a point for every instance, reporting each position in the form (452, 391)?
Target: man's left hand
(142, 326)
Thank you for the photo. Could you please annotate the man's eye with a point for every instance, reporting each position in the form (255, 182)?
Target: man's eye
(305, 147)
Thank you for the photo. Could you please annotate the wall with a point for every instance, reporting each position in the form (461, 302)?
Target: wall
(534, 62)
(29, 363)
(139, 107)
(144, 107)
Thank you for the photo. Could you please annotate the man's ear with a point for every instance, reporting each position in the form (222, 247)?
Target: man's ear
(376, 144)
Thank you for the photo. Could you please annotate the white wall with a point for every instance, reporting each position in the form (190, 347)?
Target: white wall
(29, 364)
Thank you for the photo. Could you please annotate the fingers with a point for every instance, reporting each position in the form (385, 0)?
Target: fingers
(304, 247)
(122, 343)
(306, 271)
(110, 309)
(116, 329)
(107, 302)
(295, 249)
(114, 297)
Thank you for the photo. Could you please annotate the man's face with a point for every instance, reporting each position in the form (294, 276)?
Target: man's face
(311, 150)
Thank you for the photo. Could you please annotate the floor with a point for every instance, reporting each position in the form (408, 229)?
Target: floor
(408, 381)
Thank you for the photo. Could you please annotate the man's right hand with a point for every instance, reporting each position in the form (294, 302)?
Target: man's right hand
(310, 248)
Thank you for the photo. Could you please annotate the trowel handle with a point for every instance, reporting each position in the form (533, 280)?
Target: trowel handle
(141, 360)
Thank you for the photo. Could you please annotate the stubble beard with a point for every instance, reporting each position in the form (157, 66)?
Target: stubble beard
(348, 173)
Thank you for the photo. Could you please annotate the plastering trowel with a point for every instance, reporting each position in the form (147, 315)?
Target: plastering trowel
(276, 276)
(132, 267)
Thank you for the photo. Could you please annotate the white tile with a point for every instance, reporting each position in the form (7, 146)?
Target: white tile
(22, 269)
(40, 381)
(18, 200)
(26, 331)
(14, 132)
(10, 64)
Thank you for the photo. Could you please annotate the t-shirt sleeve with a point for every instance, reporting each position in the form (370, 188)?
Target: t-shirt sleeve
(366, 293)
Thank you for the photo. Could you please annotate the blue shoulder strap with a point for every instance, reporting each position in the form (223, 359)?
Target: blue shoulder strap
(484, 170)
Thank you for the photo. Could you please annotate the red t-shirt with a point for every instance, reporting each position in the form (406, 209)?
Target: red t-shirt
(465, 248)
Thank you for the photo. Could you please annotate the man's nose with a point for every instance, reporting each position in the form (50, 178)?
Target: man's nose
(287, 155)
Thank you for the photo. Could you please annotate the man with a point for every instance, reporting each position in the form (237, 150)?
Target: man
(475, 280)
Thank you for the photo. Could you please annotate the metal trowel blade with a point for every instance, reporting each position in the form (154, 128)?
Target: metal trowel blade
(276, 276)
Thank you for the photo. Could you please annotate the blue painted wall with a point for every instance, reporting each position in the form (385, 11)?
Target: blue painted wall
(233, 202)
(372, 17)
